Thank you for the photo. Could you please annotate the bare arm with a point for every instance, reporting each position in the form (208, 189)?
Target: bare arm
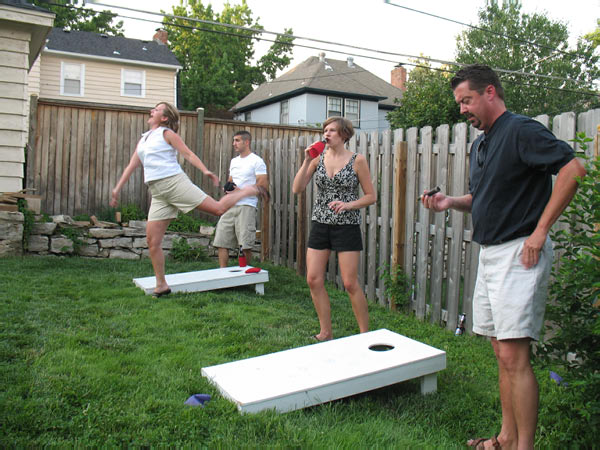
(175, 141)
(262, 180)
(134, 163)
(364, 178)
(565, 187)
(305, 173)
(440, 202)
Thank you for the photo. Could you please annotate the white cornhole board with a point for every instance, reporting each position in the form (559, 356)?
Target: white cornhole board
(207, 280)
(322, 372)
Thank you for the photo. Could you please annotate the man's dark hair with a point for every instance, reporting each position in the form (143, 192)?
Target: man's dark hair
(479, 77)
(246, 136)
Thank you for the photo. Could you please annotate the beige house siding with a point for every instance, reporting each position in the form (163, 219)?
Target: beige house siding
(33, 79)
(102, 81)
(14, 51)
(22, 32)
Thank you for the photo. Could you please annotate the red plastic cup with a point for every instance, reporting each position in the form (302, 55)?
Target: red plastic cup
(242, 260)
(316, 149)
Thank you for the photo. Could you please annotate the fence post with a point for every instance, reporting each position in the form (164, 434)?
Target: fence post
(399, 217)
(30, 164)
(200, 132)
(265, 249)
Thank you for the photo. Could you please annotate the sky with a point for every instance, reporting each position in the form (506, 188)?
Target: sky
(372, 24)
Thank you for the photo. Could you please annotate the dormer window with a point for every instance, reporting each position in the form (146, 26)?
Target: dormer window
(72, 78)
(133, 83)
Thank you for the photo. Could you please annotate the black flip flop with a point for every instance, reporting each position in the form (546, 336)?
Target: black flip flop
(160, 294)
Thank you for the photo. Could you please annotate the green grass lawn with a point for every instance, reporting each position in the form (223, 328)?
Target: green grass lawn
(86, 359)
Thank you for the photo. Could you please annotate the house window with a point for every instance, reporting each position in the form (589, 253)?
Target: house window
(72, 78)
(248, 116)
(284, 112)
(133, 83)
(334, 106)
(352, 111)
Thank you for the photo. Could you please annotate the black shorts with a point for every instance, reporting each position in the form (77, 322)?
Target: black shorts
(341, 238)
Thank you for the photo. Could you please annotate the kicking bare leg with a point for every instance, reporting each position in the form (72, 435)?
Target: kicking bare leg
(218, 208)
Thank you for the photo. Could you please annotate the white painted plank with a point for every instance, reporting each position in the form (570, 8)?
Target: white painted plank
(207, 280)
(318, 373)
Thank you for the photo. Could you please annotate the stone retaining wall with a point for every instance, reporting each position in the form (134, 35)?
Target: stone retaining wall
(64, 236)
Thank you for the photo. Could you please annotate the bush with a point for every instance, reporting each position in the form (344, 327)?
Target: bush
(185, 223)
(397, 287)
(184, 252)
(573, 340)
(82, 218)
(131, 212)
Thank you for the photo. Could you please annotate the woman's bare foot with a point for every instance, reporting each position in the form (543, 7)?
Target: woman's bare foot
(321, 337)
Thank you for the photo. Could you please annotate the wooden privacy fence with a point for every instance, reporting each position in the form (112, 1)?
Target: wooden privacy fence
(76, 154)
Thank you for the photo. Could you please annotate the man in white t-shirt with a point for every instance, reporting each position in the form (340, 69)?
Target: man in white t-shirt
(237, 227)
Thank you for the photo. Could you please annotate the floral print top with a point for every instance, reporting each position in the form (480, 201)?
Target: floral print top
(343, 186)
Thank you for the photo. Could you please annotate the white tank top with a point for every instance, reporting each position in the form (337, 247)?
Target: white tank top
(158, 157)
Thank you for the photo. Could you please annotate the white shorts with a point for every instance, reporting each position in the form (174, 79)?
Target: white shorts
(509, 300)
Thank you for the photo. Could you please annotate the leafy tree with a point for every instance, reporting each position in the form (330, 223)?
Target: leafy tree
(570, 72)
(594, 36)
(69, 17)
(217, 64)
(428, 99)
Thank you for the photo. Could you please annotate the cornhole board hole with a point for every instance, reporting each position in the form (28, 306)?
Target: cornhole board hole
(208, 280)
(319, 373)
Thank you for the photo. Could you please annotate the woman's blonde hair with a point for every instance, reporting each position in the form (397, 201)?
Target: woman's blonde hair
(344, 127)
(172, 115)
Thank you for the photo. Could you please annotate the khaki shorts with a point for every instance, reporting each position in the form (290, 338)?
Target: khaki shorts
(237, 227)
(509, 300)
(173, 194)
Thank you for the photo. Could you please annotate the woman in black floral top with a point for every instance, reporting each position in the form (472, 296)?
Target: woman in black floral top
(335, 220)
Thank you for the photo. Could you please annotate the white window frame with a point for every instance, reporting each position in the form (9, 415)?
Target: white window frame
(355, 122)
(284, 112)
(143, 83)
(341, 112)
(248, 116)
(63, 74)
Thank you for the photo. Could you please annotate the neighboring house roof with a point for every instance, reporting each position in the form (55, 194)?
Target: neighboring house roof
(326, 77)
(113, 47)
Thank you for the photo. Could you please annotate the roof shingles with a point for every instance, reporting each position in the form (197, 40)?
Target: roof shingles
(328, 76)
(117, 47)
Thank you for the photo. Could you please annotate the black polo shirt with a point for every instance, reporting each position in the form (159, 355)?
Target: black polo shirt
(514, 182)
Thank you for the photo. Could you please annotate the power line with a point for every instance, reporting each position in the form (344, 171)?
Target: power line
(260, 31)
(512, 38)
(255, 30)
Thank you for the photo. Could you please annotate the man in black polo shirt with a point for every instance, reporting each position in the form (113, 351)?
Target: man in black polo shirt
(513, 206)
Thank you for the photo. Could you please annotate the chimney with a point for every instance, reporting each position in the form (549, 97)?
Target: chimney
(350, 61)
(399, 77)
(322, 56)
(160, 36)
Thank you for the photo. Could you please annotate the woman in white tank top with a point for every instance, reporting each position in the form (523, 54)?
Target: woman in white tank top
(171, 189)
